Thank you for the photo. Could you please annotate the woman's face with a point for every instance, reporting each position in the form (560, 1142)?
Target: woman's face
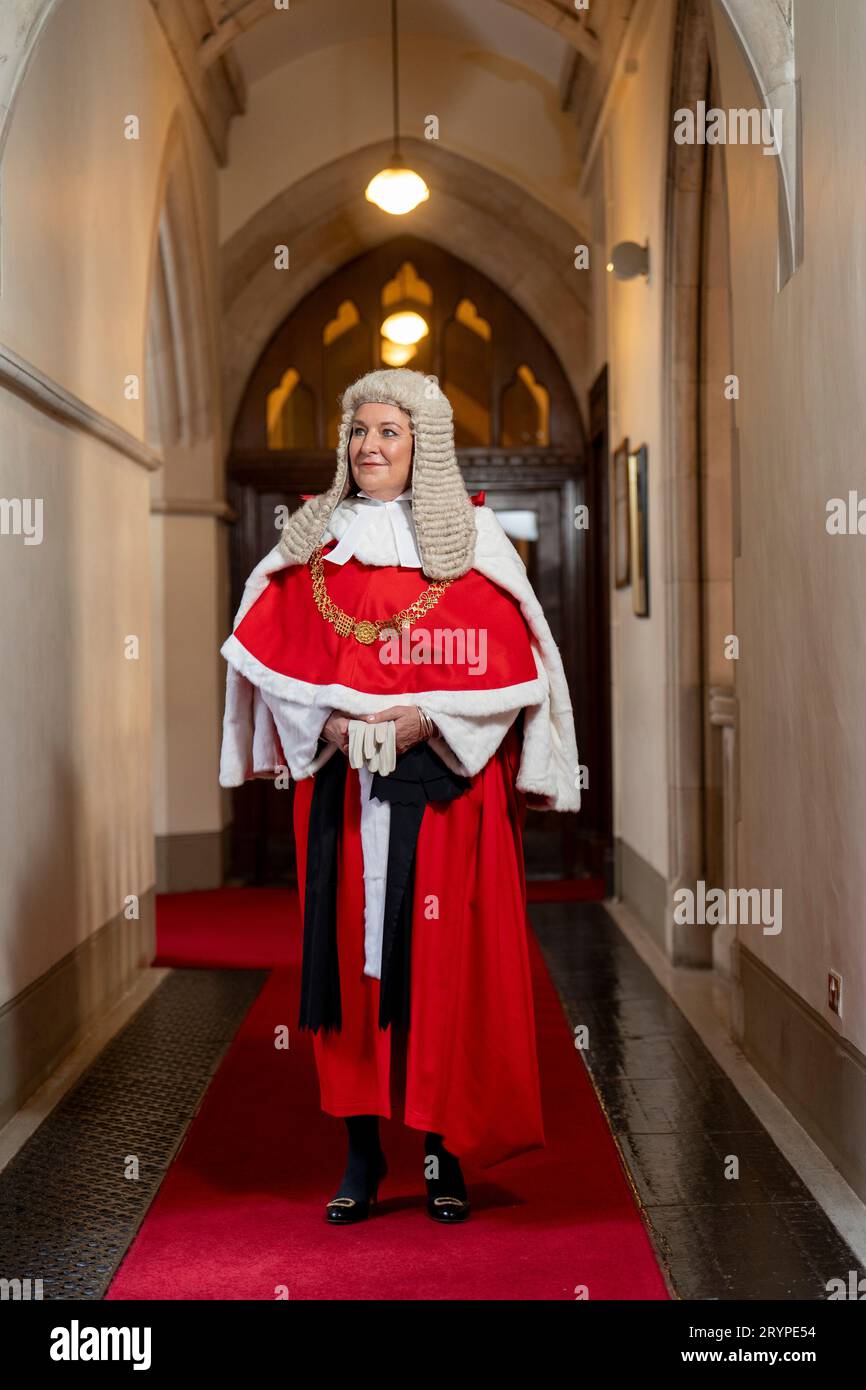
(380, 450)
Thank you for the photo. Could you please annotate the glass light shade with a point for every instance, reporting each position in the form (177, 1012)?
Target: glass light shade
(395, 355)
(397, 190)
(405, 327)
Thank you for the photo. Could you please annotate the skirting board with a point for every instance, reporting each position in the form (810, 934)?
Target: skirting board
(817, 1074)
(185, 863)
(42, 1024)
(642, 888)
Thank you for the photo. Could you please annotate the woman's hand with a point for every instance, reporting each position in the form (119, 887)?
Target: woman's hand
(408, 728)
(336, 729)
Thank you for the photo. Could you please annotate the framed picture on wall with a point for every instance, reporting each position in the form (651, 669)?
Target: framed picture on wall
(619, 492)
(639, 530)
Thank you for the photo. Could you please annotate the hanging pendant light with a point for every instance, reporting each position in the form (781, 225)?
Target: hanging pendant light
(405, 327)
(397, 189)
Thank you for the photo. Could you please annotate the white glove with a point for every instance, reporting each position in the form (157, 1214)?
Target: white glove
(373, 745)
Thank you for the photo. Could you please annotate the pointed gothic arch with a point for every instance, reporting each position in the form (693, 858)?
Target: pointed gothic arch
(178, 371)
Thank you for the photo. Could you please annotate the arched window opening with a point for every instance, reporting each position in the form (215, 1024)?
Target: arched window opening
(468, 352)
(525, 412)
(405, 326)
(291, 411)
(347, 350)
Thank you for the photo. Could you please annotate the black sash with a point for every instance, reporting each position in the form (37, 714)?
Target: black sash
(420, 776)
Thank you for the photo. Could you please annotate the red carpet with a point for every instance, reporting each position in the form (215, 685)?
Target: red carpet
(229, 928)
(239, 1214)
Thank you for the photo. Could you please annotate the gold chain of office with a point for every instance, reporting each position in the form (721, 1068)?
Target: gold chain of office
(366, 630)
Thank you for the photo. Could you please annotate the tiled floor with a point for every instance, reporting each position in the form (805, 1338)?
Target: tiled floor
(681, 1126)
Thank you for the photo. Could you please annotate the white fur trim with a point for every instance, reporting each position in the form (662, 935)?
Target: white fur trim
(549, 764)
(359, 702)
(262, 735)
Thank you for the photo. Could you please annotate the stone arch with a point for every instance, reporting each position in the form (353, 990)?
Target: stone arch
(481, 217)
(179, 371)
(764, 30)
(21, 24)
(179, 381)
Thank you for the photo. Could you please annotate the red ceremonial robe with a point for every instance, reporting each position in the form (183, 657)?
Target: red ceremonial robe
(466, 1067)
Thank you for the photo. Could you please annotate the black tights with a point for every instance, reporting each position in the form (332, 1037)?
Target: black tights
(444, 1175)
(364, 1150)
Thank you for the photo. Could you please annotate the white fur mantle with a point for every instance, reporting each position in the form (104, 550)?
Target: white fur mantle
(273, 721)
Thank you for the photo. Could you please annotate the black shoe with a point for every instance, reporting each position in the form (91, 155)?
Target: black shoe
(448, 1210)
(447, 1199)
(346, 1210)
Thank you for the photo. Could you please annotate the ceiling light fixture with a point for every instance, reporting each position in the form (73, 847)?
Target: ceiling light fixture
(397, 189)
(406, 327)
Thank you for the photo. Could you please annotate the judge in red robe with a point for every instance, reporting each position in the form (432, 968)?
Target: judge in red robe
(395, 600)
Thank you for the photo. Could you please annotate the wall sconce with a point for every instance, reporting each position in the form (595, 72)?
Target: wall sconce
(628, 260)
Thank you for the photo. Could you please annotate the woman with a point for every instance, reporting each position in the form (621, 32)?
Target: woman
(396, 601)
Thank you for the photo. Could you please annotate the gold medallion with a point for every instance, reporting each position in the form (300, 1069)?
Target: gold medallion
(365, 631)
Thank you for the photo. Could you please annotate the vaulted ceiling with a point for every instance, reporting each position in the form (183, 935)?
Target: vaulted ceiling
(226, 46)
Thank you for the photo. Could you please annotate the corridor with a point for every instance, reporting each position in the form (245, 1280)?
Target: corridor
(432, 535)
